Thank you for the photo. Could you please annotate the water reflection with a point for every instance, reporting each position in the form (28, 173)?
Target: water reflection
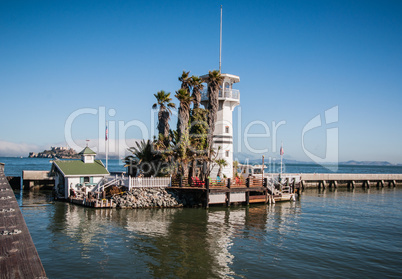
(218, 242)
(151, 222)
(185, 242)
(222, 225)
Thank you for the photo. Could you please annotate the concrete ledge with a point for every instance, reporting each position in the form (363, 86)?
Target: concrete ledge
(33, 179)
(36, 175)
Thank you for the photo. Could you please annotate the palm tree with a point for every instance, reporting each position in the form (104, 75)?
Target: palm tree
(199, 129)
(163, 100)
(185, 80)
(196, 84)
(198, 139)
(182, 125)
(214, 83)
(184, 112)
(235, 167)
(221, 163)
(143, 160)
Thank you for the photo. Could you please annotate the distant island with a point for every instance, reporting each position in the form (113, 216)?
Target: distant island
(56, 152)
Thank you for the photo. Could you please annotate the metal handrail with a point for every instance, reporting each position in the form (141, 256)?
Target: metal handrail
(227, 94)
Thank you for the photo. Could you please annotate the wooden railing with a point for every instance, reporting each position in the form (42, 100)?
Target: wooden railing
(185, 182)
(256, 182)
(238, 182)
(217, 183)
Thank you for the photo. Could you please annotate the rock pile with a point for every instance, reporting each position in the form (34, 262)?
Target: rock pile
(147, 197)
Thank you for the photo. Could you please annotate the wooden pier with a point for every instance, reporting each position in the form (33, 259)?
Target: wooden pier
(232, 191)
(350, 180)
(18, 255)
(31, 179)
(95, 203)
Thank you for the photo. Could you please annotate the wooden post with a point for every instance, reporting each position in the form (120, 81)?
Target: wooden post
(366, 183)
(335, 184)
(207, 193)
(181, 181)
(228, 193)
(247, 193)
(321, 182)
(302, 184)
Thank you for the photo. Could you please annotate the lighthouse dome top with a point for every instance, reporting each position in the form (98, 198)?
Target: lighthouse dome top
(231, 78)
(226, 77)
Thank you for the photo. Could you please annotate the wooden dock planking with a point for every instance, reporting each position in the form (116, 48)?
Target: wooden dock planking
(18, 255)
(258, 199)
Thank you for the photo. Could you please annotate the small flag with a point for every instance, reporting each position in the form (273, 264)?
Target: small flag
(106, 132)
(281, 151)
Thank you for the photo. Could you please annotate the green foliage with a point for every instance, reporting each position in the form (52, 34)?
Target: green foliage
(187, 149)
(199, 129)
(221, 163)
(145, 160)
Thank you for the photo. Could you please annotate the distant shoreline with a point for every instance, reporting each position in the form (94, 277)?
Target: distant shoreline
(258, 161)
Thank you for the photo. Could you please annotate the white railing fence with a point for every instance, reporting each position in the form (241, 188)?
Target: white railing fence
(111, 180)
(149, 182)
(227, 93)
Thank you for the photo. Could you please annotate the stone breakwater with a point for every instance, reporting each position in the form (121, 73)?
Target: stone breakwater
(148, 197)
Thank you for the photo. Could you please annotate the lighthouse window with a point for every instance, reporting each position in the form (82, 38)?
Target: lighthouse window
(227, 129)
(227, 153)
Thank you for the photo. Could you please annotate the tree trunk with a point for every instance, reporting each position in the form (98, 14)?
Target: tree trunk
(197, 98)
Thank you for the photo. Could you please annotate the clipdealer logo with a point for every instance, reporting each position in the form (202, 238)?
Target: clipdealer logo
(331, 158)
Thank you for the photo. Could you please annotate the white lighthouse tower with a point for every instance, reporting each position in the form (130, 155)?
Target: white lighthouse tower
(228, 98)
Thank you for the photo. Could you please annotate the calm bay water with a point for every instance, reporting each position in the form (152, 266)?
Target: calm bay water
(333, 234)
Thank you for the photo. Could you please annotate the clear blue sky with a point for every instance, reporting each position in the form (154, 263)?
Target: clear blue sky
(295, 59)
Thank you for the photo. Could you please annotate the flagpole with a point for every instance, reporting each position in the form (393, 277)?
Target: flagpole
(220, 44)
(107, 146)
(281, 151)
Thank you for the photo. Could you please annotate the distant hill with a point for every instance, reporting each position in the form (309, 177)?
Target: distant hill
(367, 163)
(243, 158)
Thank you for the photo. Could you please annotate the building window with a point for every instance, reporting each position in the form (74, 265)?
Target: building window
(227, 129)
(86, 179)
(227, 153)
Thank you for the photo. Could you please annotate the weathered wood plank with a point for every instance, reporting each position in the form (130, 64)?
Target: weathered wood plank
(18, 255)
